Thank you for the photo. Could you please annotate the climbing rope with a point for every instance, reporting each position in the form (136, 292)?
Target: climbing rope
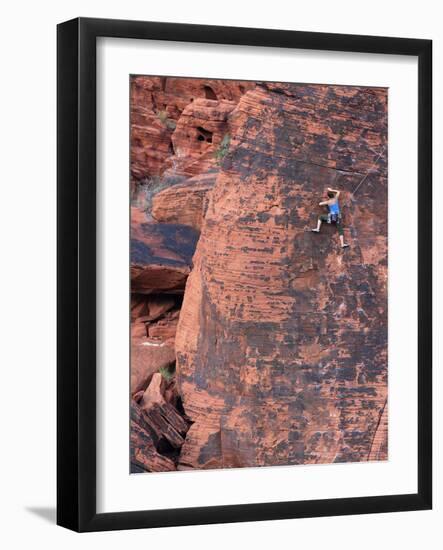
(369, 171)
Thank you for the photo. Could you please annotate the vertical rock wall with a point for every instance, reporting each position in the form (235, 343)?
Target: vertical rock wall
(282, 339)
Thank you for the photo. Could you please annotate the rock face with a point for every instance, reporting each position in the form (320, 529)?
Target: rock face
(178, 136)
(157, 106)
(199, 133)
(255, 342)
(282, 339)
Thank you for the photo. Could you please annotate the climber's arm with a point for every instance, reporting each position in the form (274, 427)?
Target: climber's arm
(336, 191)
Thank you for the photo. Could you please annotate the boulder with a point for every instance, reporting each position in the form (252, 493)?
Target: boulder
(153, 395)
(161, 420)
(165, 328)
(161, 256)
(167, 244)
(148, 279)
(144, 455)
(147, 358)
(159, 305)
(184, 203)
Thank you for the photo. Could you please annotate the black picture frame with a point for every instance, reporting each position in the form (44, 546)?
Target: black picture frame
(76, 295)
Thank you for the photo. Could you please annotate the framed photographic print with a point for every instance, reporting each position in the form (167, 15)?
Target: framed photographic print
(244, 274)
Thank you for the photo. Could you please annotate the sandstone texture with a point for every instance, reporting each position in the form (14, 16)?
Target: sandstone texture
(256, 342)
(281, 346)
(162, 105)
(184, 203)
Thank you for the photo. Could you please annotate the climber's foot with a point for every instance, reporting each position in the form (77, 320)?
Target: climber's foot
(344, 245)
(315, 230)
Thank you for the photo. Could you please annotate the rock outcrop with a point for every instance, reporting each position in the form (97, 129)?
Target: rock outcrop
(159, 105)
(281, 345)
(144, 453)
(255, 342)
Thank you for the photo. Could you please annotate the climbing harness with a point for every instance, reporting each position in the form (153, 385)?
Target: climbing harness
(334, 218)
(369, 171)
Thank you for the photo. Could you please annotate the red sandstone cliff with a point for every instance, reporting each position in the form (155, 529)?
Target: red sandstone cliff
(177, 122)
(178, 126)
(281, 343)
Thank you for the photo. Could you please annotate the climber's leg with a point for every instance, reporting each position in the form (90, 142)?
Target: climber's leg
(317, 229)
(342, 242)
(322, 218)
(341, 234)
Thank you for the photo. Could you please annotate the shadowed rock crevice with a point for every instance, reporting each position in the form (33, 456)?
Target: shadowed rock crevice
(204, 135)
(210, 94)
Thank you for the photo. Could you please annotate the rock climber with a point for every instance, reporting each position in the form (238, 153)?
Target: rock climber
(333, 216)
